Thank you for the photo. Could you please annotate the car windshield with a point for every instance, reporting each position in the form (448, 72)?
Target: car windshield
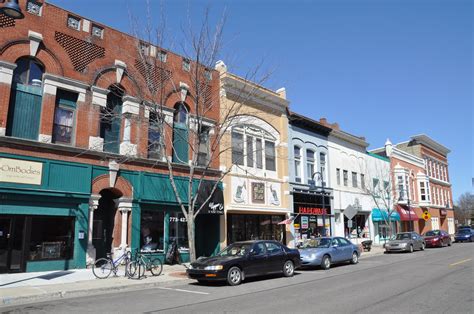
(236, 249)
(466, 231)
(403, 236)
(432, 233)
(317, 243)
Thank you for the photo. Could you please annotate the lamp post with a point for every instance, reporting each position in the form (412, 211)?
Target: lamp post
(11, 9)
(313, 188)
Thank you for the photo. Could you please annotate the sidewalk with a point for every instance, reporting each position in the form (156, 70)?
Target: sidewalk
(375, 250)
(33, 287)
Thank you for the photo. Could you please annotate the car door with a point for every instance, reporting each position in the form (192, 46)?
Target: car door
(346, 249)
(257, 260)
(336, 251)
(276, 256)
(418, 240)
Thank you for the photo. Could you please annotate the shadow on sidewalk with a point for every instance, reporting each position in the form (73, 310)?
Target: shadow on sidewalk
(49, 276)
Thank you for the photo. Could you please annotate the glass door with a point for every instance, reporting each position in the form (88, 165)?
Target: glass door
(5, 235)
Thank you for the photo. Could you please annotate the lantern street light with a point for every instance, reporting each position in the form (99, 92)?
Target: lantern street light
(11, 9)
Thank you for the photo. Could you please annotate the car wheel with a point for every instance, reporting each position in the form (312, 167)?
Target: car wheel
(355, 258)
(411, 248)
(288, 269)
(234, 276)
(326, 262)
(422, 247)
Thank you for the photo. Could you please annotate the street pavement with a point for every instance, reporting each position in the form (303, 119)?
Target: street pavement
(433, 281)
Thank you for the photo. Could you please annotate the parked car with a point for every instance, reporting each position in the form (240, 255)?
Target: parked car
(241, 260)
(329, 250)
(464, 234)
(437, 238)
(405, 242)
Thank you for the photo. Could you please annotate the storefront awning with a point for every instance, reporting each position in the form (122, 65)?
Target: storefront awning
(406, 213)
(382, 215)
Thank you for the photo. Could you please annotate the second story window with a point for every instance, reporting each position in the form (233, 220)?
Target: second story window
(155, 136)
(354, 179)
(203, 154)
(237, 148)
(322, 168)
(310, 165)
(362, 181)
(74, 22)
(270, 162)
(63, 125)
(345, 177)
(338, 176)
(297, 156)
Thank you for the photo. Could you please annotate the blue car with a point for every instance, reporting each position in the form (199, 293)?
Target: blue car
(464, 234)
(329, 250)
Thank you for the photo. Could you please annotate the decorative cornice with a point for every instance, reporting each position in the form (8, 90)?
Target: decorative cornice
(65, 80)
(349, 138)
(427, 141)
(412, 159)
(8, 65)
(440, 182)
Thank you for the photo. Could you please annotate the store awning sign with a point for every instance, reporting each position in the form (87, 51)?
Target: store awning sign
(20, 171)
(216, 203)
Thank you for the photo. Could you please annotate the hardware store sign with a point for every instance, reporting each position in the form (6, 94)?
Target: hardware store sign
(20, 171)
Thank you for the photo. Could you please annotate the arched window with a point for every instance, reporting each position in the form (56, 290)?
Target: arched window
(297, 156)
(322, 168)
(24, 111)
(180, 133)
(253, 147)
(111, 120)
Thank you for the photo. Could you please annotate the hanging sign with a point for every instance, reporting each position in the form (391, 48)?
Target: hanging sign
(20, 171)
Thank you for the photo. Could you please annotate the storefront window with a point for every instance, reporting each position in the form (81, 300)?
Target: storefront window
(51, 238)
(178, 231)
(152, 231)
(255, 227)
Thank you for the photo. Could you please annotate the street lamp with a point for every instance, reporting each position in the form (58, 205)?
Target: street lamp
(313, 187)
(11, 9)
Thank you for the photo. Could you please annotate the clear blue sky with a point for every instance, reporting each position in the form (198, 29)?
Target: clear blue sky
(378, 68)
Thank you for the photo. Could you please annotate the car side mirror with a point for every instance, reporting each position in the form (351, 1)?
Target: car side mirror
(414, 238)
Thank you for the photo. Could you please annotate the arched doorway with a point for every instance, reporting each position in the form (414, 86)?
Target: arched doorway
(105, 221)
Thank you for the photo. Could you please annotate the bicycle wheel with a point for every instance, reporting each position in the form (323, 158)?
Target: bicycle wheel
(102, 268)
(135, 270)
(156, 267)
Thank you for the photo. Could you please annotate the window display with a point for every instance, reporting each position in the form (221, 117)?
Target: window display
(178, 231)
(255, 227)
(51, 238)
(152, 231)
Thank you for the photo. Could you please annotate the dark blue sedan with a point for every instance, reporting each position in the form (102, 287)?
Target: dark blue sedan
(464, 234)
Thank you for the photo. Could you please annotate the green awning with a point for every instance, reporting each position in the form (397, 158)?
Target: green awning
(382, 215)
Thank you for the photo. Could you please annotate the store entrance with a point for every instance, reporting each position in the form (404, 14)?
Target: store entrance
(104, 222)
(12, 244)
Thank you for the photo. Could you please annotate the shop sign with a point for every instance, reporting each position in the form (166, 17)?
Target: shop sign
(258, 192)
(313, 210)
(20, 171)
(304, 222)
(312, 218)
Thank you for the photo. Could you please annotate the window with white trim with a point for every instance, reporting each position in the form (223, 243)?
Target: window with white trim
(73, 22)
(97, 31)
(362, 181)
(309, 165)
(34, 7)
(354, 179)
(204, 151)
(251, 146)
(322, 168)
(345, 177)
(423, 194)
(63, 124)
(338, 176)
(162, 56)
(297, 156)
(186, 65)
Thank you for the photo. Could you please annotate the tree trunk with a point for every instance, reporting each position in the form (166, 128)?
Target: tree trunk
(191, 238)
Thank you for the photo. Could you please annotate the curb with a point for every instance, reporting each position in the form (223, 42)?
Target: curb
(56, 295)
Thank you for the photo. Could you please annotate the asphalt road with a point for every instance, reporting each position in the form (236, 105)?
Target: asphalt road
(433, 281)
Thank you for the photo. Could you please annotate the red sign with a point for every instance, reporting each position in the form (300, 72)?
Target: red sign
(313, 211)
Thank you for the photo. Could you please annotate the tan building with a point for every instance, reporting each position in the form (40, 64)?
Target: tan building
(255, 155)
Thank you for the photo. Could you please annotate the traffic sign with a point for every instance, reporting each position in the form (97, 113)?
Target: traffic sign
(350, 211)
(426, 216)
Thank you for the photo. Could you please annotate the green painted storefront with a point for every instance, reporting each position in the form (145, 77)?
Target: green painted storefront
(64, 193)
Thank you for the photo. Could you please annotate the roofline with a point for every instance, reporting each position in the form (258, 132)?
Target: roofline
(304, 121)
(429, 142)
(350, 138)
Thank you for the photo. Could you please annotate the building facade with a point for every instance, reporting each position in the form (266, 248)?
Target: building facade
(82, 172)
(310, 185)
(435, 157)
(256, 186)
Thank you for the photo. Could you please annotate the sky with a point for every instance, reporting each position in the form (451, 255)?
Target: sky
(381, 69)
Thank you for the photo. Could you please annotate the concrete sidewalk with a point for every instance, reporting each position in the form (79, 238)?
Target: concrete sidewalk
(375, 250)
(40, 286)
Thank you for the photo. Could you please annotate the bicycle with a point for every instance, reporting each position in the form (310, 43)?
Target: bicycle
(103, 267)
(141, 263)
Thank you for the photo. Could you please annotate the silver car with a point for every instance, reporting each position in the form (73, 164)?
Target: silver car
(405, 242)
(326, 251)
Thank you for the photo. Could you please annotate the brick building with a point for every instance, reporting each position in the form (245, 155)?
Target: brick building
(83, 171)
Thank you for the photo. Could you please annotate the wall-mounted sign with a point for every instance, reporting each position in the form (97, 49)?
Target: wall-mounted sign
(312, 210)
(20, 171)
(258, 192)
(304, 222)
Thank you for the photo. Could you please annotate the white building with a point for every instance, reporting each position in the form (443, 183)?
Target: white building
(354, 175)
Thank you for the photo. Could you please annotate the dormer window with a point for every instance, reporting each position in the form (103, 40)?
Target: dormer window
(74, 22)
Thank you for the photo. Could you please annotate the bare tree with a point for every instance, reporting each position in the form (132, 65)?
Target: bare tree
(464, 211)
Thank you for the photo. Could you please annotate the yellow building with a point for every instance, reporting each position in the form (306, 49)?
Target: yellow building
(254, 155)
